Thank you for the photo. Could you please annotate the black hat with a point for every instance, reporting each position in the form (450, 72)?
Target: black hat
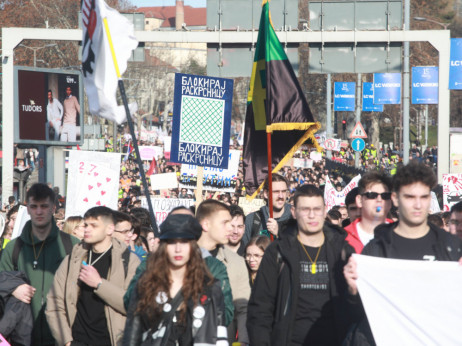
(180, 226)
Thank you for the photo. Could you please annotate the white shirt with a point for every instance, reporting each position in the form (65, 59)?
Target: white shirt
(55, 112)
(363, 235)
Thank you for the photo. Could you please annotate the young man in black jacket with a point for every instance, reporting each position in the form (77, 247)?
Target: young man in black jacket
(412, 238)
(299, 295)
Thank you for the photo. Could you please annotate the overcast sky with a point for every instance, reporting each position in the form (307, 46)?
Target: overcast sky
(154, 3)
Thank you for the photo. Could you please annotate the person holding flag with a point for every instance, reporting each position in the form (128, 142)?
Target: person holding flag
(275, 103)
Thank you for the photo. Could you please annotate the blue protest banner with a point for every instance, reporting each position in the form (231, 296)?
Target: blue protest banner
(425, 85)
(455, 67)
(201, 120)
(368, 99)
(387, 88)
(344, 96)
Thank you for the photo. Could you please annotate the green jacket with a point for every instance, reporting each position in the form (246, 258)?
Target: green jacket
(219, 272)
(50, 258)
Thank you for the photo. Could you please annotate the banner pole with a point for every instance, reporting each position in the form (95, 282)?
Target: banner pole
(132, 131)
(200, 185)
(270, 178)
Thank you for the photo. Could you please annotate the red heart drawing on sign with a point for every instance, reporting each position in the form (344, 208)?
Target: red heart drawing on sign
(85, 199)
(99, 184)
(108, 179)
(103, 193)
(98, 203)
(90, 187)
(95, 174)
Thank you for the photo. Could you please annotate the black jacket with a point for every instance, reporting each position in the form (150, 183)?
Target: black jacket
(212, 323)
(17, 322)
(273, 302)
(447, 248)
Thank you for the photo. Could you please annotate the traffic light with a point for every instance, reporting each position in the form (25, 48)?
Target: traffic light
(344, 127)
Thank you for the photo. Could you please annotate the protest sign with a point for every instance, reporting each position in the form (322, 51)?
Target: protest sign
(332, 197)
(452, 190)
(201, 120)
(302, 163)
(417, 300)
(316, 156)
(251, 206)
(163, 206)
(147, 152)
(215, 179)
(21, 219)
(164, 181)
(93, 181)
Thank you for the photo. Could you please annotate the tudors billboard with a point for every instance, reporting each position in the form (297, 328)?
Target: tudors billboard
(48, 106)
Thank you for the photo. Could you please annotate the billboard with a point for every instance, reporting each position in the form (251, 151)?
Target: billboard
(368, 99)
(344, 96)
(387, 88)
(48, 106)
(425, 85)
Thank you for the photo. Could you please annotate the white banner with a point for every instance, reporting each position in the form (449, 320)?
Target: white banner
(163, 206)
(164, 181)
(147, 152)
(333, 197)
(215, 179)
(411, 302)
(302, 163)
(93, 180)
(316, 156)
(251, 206)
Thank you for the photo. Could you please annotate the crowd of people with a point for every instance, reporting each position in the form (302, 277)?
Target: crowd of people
(212, 274)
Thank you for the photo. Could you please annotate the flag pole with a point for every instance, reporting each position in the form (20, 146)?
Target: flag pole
(270, 178)
(132, 131)
(268, 135)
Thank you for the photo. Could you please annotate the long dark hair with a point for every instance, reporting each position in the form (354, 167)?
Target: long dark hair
(157, 279)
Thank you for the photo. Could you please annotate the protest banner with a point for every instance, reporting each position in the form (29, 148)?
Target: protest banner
(201, 120)
(452, 190)
(302, 163)
(164, 181)
(95, 181)
(214, 179)
(333, 197)
(163, 206)
(417, 300)
(316, 156)
(251, 206)
(147, 152)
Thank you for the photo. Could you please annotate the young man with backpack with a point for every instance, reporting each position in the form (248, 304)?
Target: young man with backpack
(85, 303)
(37, 252)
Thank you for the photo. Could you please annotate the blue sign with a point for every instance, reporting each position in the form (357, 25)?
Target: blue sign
(344, 96)
(387, 88)
(368, 99)
(358, 144)
(201, 120)
(425, 85)
(455, 65)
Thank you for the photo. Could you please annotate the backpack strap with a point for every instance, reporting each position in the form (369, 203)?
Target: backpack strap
(67, 242)
(16, 250)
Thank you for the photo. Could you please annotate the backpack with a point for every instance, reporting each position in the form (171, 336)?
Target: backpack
(65, 239)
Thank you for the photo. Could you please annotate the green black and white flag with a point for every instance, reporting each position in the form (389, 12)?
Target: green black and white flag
(275, 104)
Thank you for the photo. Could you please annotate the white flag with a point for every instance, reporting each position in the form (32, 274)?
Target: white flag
(100, 78)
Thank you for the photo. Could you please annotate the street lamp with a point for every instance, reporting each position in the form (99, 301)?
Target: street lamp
(35, 49)
(423, 19)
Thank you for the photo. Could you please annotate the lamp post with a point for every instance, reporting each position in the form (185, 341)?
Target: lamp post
(423, 19)
(35, 49)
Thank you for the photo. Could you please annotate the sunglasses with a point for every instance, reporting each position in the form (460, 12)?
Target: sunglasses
(373, 195)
